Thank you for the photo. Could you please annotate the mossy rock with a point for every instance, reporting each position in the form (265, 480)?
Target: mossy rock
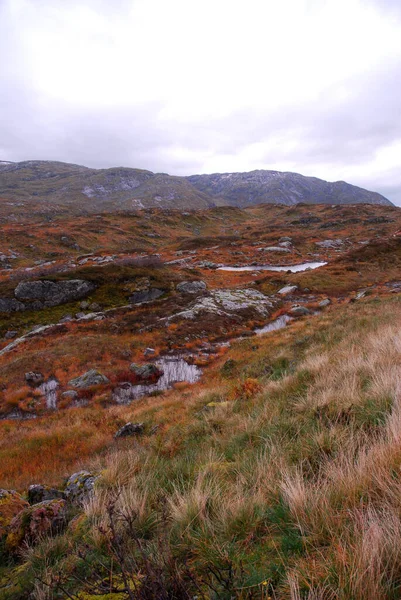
(34, 522)
(11, 503)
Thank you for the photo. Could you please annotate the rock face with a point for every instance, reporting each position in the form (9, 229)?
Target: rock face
(11, 503)
(48, 517)
(129, 429)
(50, 293)
(80, 487)
(147, 372)
(88, 379)
(259, 187)
(191, 287)
(145, 296)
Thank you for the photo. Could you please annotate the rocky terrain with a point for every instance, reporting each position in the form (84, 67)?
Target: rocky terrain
(54, 188)
(201, 403)
(275, 187)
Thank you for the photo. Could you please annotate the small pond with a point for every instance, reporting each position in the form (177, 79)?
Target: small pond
(292, 268)
(174, 369)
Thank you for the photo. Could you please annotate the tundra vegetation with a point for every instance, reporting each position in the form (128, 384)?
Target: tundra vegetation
(276, 476)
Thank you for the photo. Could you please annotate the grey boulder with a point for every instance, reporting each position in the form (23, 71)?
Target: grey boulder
(145, 296)
(34, 379)
(51, 293)
(146, 372)
(88, 379)
(299, 311)
(191, 287)
(129, 429)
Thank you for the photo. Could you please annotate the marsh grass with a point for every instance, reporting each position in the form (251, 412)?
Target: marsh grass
(282, 482)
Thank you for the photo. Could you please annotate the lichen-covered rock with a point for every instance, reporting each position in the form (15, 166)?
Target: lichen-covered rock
(129, 429)
(51, 293)
(80, 487)
(38, 493)
(148, 372)
(88, 379)
(32, 523)
(11, 503)
(191, 287)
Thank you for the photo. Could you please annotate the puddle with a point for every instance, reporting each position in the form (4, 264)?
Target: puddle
(292, 268)
(278, 323)
(49, 391)
(175, 369)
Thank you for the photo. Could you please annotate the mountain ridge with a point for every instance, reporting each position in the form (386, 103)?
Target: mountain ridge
(55, 183)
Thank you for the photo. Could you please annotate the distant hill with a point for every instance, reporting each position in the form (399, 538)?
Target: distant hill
(50, 185)
(276, 187)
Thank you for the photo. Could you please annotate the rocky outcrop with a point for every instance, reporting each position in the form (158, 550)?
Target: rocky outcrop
(191, 287)
(227, 303)
(129, 429)
(32, 523)
(88, 379)
(51, 293)
(36, 295)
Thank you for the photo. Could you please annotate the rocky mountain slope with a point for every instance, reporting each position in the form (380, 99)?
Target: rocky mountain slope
(52, 185)
(275, 187)
(57, 183)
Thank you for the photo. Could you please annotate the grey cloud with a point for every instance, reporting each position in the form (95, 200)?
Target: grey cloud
(332, 130)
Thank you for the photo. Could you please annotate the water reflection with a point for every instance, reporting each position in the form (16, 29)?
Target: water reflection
(49, 391)
(278, 323)
(174, 369)
(292, 268)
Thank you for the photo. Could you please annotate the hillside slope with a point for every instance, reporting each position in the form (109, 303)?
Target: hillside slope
(57, 183)
(51, 185)
(275, 187)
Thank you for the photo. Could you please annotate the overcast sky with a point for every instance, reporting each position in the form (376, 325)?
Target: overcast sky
(188, 86)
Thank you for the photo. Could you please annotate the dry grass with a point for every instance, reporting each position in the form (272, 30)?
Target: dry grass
(283, 480)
